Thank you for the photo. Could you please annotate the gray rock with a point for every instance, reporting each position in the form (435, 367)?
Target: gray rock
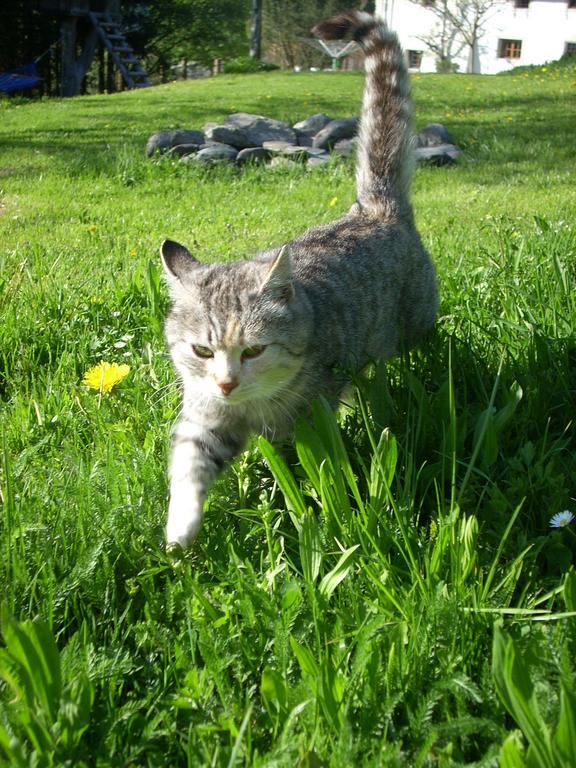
(304, 140)
(344, 147)
(277, 147)
(295, 153)
(433, 135)
(215, 153)
(311, 125)
(242, 130)
(252, 155)
(165, 140)
(315, 161)
(281, 162)
(306, 152)
(222, 134)
(336, 130)
(181, 150)
(443, 154)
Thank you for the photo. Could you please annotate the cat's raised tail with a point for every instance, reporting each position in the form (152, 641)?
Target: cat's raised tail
(385, 154)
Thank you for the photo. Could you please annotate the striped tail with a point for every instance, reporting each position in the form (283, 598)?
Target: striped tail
(385, 154)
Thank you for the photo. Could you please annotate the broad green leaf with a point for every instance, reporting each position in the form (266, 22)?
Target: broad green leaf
(565, 737)
(334, 496)
(331, 685)
(16, 666)
(515, 688)
(32, 646)
(43, 640)
(338, 573)
(291, 599)
(310, 547)
(310, 450)
(512, 752)
(383, 466)
(77, 716)
(292, 494)
(503, 416)
(5, 742)
(328, 429)
(274, 691)
(306, 661)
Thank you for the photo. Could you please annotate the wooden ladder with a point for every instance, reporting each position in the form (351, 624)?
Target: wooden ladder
(113, 39)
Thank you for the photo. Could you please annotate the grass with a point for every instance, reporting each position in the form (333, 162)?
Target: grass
(389, 595)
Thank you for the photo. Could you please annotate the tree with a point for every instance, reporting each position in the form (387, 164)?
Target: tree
(443, 39)
(287, 25)
(168, 31)
(256, 30)
(460, 22)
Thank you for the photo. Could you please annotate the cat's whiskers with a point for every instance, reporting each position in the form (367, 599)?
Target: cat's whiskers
(162, 393)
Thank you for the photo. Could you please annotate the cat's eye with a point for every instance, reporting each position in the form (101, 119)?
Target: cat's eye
(250, 352)
(203, 352)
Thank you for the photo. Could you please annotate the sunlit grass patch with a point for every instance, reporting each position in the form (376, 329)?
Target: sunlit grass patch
(390, 591)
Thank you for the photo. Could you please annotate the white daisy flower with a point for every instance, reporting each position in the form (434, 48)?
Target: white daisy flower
(561, 519)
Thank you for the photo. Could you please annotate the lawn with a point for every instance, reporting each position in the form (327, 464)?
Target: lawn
(388, 593)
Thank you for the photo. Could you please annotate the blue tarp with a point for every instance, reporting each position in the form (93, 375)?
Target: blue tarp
(20, 79)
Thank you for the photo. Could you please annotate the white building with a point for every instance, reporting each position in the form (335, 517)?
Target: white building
(513, 33)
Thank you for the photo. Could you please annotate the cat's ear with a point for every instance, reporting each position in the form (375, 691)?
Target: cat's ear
(279, 281)
(177, 260)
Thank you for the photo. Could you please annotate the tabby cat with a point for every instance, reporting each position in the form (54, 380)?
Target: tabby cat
(255, 342)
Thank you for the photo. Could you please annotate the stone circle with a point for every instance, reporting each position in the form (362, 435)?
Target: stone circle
(246, 138)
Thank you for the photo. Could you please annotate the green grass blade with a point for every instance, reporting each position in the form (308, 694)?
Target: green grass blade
(332, 579)
(292, 494)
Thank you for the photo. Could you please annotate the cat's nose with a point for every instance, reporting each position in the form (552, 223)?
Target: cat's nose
(228, 386)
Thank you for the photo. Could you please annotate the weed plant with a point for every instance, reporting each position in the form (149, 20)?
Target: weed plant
(388, 592)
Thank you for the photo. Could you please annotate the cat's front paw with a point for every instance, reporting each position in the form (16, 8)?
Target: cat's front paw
(184, 521)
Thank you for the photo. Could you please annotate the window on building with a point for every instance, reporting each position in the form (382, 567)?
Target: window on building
(570, 49)
(521, 3)
(510, 49)
(414, 59)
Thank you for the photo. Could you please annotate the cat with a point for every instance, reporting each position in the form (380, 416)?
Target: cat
(255, 342)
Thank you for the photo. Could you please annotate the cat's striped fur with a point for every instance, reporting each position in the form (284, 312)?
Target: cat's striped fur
(256, 342)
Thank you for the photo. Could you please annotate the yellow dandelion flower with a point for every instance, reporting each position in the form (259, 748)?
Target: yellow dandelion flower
(333, 202)
(132, 252)
(92, 228)
(104, 376)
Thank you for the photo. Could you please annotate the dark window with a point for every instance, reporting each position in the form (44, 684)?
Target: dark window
(414, 59)
(510, 49)
(570, 49)
(521, 3)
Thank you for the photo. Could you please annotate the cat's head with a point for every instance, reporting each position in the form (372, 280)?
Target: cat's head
(237, 332)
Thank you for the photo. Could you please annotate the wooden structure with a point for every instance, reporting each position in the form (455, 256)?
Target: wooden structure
(84, 25)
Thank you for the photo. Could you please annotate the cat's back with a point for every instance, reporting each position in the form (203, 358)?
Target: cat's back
(358, 273)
